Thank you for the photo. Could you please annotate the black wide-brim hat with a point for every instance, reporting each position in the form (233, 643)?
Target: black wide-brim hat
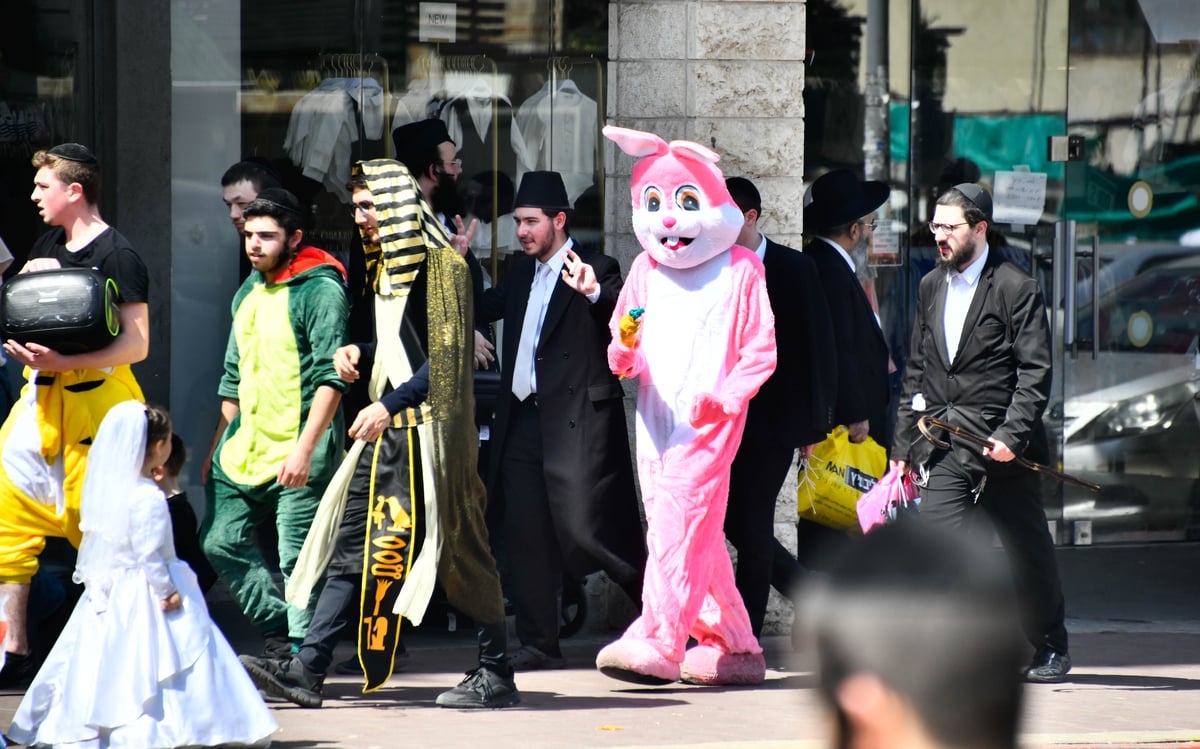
(417, 140)
(839, 197)
(542, 190)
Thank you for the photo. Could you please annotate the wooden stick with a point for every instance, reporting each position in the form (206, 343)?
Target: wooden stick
(925, 422)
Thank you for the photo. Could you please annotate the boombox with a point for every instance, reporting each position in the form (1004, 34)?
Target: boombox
(70, 310)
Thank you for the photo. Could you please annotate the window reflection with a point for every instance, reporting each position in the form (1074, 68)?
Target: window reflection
(308, 87)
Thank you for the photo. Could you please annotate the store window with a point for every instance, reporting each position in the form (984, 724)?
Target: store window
(44, 85)
(44, 49)
(308, 87)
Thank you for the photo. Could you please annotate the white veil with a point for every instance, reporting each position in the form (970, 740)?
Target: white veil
(113, 466)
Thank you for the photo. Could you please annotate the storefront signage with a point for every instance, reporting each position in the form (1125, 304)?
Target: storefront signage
(1019, 197)
(885, 244)
(439, 22)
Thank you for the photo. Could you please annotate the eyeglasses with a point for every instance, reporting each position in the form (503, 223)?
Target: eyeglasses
(869, 224)
(453, 164)
(945, 228)
(366, 206)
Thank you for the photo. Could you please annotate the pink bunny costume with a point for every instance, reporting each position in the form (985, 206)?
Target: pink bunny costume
(705, 345)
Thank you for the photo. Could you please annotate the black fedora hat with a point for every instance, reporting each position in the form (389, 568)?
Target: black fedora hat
(418, 140)
(840, 197)
(542, 190)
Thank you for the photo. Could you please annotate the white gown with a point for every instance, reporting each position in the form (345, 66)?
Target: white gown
(125, 675)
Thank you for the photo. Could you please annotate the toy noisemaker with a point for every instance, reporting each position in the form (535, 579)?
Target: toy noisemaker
(630, 325)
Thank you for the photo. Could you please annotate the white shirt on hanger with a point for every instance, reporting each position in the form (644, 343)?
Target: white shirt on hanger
(559, 129)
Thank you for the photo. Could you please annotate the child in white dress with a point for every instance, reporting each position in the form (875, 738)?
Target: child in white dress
(140, 664)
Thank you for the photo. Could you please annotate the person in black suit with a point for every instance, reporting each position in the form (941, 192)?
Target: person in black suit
(839, 212)
(426, 149)
(560, 458)
(839, 215)
(980, 360)
(793, 409)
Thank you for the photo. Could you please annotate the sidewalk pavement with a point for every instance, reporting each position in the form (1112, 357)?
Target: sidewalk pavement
(1134, 616)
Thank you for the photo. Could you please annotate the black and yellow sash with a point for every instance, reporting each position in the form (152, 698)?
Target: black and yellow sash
(395, 493)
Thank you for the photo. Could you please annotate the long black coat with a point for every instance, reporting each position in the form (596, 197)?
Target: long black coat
(999, 382)
(588, 469)
(796, 403)
(862, 354)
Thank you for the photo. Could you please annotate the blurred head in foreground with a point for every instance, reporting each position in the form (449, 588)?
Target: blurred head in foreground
(918, 643)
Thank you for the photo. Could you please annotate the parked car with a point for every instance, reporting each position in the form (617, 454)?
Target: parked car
(1157, 310)
(1139, 440)
(1120, 262)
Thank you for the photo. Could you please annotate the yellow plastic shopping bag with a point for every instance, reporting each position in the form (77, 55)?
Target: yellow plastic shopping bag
(837, 474)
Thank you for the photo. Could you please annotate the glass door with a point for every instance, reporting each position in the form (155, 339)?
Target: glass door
(1083, 119)
(1126, 248)
(988, 91)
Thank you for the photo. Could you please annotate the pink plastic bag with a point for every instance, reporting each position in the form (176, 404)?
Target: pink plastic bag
(881, 504)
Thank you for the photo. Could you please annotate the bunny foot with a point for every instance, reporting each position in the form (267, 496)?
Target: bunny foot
(637, 661)
(710, 666)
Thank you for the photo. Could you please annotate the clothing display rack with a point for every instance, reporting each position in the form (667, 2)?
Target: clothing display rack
(361, 66)
(560, 69)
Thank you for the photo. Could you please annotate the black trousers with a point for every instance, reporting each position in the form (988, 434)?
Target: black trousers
(756, 476)
(338, 600)
(1011, 500)
(332, 613)
(533, 558)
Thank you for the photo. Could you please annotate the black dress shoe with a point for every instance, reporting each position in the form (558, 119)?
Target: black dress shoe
(1048, 667)
(19, 670)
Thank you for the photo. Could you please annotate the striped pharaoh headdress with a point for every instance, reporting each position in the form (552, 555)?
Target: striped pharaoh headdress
(407, 227)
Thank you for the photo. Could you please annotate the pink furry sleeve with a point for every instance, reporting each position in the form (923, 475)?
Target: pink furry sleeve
(753, 336)
(626, 361)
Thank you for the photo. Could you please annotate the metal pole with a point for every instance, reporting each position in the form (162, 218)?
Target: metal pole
(876, 136)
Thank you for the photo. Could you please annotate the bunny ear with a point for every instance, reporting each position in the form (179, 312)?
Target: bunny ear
(635, 142)
(688, 150)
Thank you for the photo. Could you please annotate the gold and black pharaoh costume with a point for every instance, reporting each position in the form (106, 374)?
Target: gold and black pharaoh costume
(424, 521)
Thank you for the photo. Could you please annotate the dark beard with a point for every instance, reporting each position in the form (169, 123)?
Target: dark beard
(446, 199)
(958, 258)
(279, 266)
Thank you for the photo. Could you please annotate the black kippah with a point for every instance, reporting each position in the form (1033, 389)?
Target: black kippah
(282, 198)
(73, 152)
(978, 196)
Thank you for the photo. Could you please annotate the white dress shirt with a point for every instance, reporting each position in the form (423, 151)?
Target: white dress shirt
(960, 289)
(545, 276)
(761, 250)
